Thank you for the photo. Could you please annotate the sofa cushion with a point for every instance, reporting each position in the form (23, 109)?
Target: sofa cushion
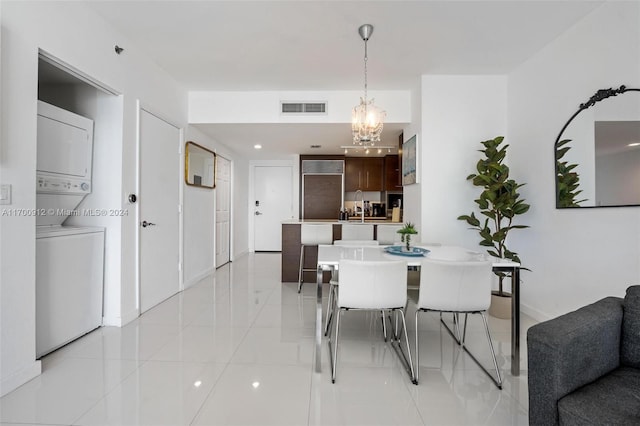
(613, 399)
(630, 344)
(569, 352)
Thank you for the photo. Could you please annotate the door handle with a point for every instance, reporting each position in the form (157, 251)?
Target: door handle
(145, 224)
(258, 213)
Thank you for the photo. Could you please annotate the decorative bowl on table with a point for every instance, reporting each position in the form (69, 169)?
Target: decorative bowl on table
(402, 251)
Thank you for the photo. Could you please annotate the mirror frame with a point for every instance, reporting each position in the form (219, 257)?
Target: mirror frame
(600, 95)
(186, 165)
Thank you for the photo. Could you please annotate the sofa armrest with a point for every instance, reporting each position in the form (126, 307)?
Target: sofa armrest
(570, 351)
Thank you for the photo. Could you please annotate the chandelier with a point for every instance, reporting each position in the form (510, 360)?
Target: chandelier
(367, 118)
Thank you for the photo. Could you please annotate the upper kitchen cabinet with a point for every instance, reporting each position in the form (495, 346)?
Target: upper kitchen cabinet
(392, 176)
(364, 173)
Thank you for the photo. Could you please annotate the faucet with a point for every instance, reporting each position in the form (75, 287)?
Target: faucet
(355, 203)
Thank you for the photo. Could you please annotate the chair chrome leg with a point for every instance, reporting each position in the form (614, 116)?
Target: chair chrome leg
(330, 307)
(300, 271)
(498, 382)
(414, 379)
(464, 329)
(417, 369)
(384, 326)
(456, 323)
(335, 348)
(493, 354)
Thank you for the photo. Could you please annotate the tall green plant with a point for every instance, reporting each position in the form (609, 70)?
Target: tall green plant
(499, 202)
(567, 179)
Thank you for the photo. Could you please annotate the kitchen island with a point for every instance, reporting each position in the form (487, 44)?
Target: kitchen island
(291, 245)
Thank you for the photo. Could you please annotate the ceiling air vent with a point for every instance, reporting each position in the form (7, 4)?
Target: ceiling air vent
(303, 107)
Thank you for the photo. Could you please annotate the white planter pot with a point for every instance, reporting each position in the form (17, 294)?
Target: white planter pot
(500, 306)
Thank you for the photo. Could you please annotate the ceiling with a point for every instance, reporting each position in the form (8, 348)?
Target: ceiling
(314, 45)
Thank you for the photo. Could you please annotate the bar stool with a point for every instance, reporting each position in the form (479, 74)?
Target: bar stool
(312, 235)
(388, 234)
(357, 231)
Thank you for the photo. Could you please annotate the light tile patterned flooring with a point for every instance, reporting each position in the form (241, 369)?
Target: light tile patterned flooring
(237, 349)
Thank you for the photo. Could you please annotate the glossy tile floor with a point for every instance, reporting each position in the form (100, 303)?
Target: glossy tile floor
(237, 349)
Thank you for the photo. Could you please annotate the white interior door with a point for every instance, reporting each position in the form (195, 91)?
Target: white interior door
(159, 217)
(273, 203)
(223, 210)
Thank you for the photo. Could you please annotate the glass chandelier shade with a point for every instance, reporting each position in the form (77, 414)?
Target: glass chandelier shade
(367, 122)
(367, 119)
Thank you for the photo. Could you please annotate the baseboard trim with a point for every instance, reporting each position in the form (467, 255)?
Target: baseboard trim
(20, 377)
(534, 313)
(198, 277)
(120, 321)
(240, 254)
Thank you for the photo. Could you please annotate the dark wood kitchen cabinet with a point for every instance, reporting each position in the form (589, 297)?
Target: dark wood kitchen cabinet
(392, 176)
(364, 173)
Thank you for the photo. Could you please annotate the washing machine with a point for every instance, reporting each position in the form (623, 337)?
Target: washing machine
(69, 259)
(69, 284)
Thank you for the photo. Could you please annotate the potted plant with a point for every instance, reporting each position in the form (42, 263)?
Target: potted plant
(499, 203)
(567, 179)
(406, 232)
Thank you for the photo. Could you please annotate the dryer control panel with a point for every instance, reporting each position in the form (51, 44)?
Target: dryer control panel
(58, 185)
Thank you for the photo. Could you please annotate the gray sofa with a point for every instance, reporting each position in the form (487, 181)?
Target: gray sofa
(584, 367)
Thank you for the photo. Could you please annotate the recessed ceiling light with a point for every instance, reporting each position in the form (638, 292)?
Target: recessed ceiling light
(634, 144)
(257, 146)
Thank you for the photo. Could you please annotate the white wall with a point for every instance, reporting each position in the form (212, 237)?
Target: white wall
(576, 256)
(199, 215)
(198, 222)
(239, 194)
(75, 34)
(458, 112)
(411, 194)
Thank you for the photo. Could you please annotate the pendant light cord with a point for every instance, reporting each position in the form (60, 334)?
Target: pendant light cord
(365, 71)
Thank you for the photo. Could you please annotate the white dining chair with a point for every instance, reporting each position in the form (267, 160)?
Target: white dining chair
(359, 231)
(312, 235)
(388, 234)
(333, 282)
(374, 286)
(458, 287)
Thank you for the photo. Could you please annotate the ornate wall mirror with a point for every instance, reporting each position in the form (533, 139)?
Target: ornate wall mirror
(597, 152)
(199, 166)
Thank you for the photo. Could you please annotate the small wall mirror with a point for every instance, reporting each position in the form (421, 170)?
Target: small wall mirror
(597, 152)
(199, 166)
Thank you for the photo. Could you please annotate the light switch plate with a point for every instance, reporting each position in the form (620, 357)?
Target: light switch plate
(5, 194)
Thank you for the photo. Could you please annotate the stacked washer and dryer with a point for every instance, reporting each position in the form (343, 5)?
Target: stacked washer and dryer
(69, 259)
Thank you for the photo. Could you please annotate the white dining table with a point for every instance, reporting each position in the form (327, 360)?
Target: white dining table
(329, 257)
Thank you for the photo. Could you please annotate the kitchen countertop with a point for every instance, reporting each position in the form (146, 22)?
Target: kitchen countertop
(367, 220)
